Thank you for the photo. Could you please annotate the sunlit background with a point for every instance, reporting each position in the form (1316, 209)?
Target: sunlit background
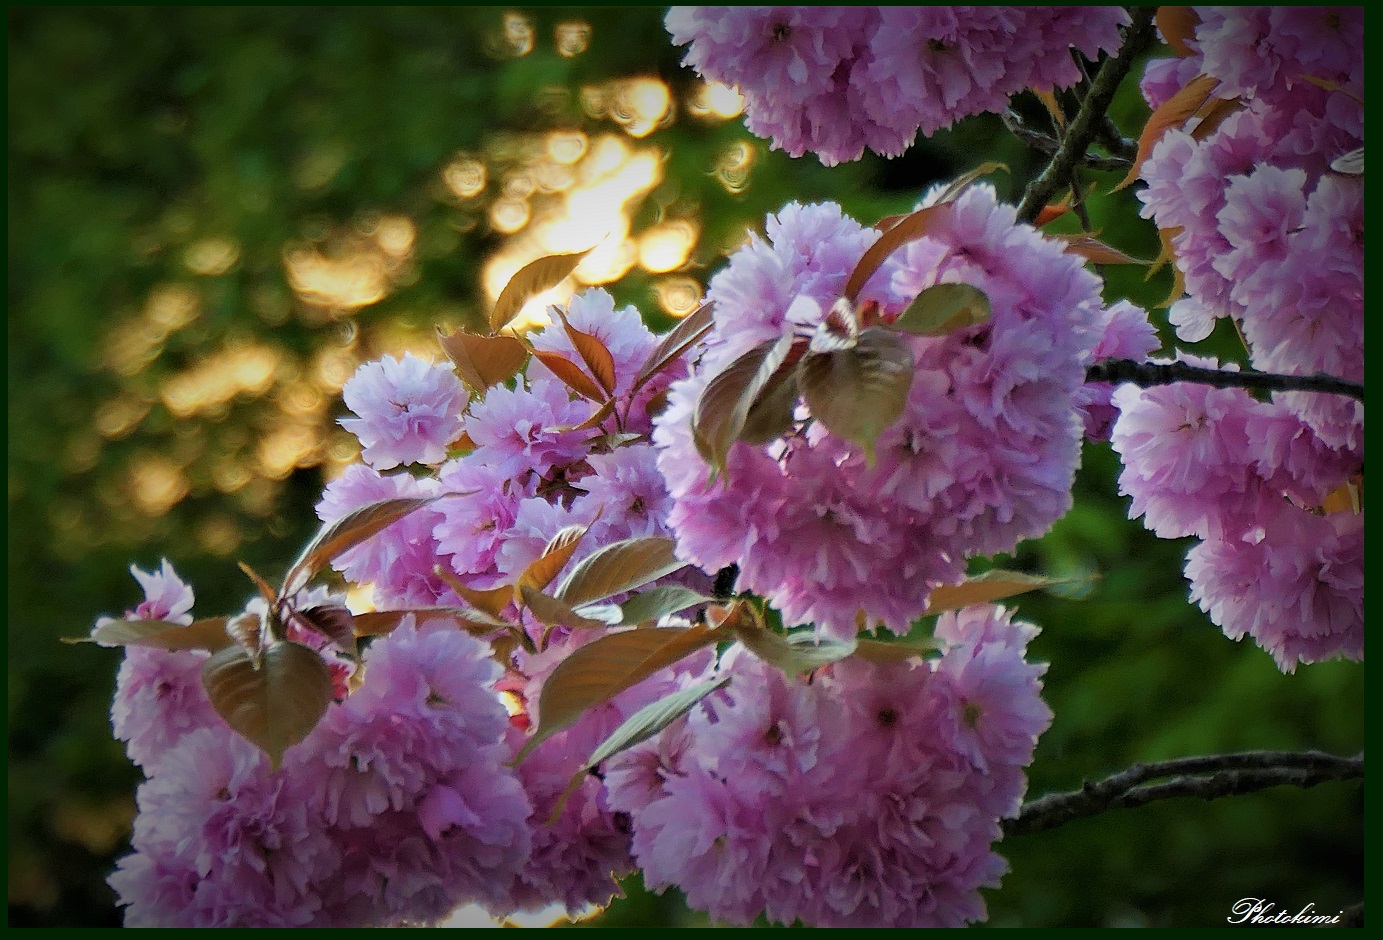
(216, 215)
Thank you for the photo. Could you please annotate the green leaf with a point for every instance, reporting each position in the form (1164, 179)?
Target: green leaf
(274, 704)
(724, 404)
(605, 667)
(771, 412)
(858, 392)
(793, 655)
(687, 333)
(653, 718)
(530, 280)
(637, 728)
(622, 566)
(551, 611)
(482, 361)
(942, 309)
(657, 603)
(209, 634)
(344, 534)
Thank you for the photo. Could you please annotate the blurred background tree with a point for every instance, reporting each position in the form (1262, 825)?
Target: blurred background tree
(217, 214)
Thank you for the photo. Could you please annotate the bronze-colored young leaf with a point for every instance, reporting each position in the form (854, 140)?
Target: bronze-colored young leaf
(570, 374)
(332, 621)
(957, 187)
(943, 309)
(606, 443)
(1212, 114)
(792, 656)
(1168, 255)
(556, 554)
(555, 613)
(909, 228)
(266, 590)
(725, 401)
(247, 630)
(344, 534)
(530, 280)
(209, 634)
(885, 653)
(597, 416)
(619, 567)
(1177, 25)
(771, 413)
(1172, 113)
(1094, 250)
(857, 393)
(682, 337)
(1048, 99)
(482, 361)
(605, 667)
(985, 588)
(274, 705)
(489, 604)
(381, 622)
(593, 353)
(654, 604)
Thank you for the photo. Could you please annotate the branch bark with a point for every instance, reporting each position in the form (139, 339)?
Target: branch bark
(1207, 778)
(1088, 122)
(1148, 374)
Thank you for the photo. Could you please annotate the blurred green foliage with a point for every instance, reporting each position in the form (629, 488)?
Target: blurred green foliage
(165, 164)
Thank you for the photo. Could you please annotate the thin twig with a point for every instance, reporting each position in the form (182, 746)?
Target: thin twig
(1147, 374)
(1206, 778)
(1085, 125)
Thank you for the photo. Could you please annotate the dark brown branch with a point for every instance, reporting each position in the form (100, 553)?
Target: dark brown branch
(1087, 122)
(1049, 145)
(1147, 374)
(1206, 778)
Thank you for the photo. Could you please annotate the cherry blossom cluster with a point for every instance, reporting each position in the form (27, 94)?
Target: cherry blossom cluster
(1267, 225)
(868, 797)
(835, 80)
(982, 457)
(531, 468)
(396, 809)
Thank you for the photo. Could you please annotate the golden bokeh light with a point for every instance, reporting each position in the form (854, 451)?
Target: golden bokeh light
(572, 38)
(119, 416)
(713, 101)
(567, 146)
(240, 368)
(733, 166)
(211, 257)
(508, 216)
(666, 247)
(286, 448)
(518, 34)
(156, 484)
(465, 177)
(678, 296)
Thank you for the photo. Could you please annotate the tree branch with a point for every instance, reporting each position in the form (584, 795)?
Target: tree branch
(1049, 145)
(1207, 778)
(1148, 374)
(1087, 122)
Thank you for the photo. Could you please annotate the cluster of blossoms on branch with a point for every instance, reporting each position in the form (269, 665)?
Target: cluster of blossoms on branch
(835, 80)
(1266, 223)
(855, 414)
